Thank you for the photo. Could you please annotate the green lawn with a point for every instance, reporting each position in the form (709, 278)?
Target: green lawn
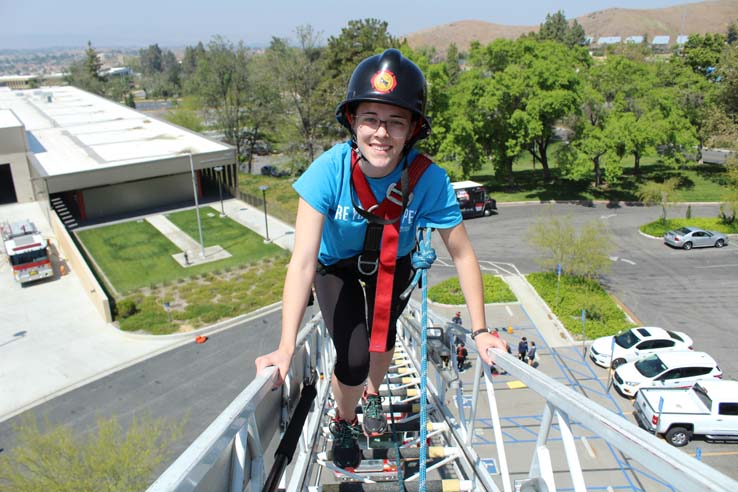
(602, 315)
(449, 291)
(659, 228)
(134, 254)
(698, 182)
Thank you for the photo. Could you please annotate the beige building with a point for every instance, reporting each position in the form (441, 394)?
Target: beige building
(93, 159)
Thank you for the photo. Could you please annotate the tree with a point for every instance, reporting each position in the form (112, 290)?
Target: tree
(731, 35)
(107, 459)
(729, 206)
(160, 72)
(557, 28)
(653, 192)
(583, 253)
(150, 60)
(86, 73)
(298, 73)
(512, 94)
(357, 41)
(702, 53)
(263, 105)
(192, 56)
(222, 82)
(453, 63)
(728, 81)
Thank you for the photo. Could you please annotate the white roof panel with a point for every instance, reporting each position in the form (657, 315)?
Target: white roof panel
(661, 40)
(8, 119)
(609, 40)
(634, 39)
(81, 132)
(682, 38)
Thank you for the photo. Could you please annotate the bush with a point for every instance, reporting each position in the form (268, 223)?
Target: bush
(125, 308)
(108, 457)
(688, 215)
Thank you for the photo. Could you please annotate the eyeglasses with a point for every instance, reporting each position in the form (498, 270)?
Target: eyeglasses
(396, 127)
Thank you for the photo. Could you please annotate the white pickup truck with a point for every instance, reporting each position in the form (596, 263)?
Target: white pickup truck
(709, 408)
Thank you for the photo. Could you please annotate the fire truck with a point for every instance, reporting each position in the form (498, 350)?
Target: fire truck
(27, 251)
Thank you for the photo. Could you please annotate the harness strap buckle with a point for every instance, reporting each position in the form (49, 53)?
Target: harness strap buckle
(395, 195)
(360, 263)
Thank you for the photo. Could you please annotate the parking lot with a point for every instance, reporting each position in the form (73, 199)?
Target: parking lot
(691, 291)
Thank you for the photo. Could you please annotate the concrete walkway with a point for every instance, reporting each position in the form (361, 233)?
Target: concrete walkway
(192, 253)
(280, 233)
(539, 312)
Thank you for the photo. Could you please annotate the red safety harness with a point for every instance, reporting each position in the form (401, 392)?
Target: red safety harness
(382, 238)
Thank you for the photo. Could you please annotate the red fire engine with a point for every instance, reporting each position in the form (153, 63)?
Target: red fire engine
(27, 251)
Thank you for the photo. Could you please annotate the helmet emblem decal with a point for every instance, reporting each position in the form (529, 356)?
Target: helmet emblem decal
(384, 81)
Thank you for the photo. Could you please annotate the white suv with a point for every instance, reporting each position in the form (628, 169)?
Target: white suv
(676, 368)
(636, 343)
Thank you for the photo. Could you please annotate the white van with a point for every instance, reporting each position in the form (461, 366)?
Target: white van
(474, 201)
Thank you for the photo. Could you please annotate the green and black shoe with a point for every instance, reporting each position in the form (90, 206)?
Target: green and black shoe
(375, 420)
(346, 450)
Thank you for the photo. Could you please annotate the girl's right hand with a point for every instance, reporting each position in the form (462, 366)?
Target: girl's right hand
(280, 359)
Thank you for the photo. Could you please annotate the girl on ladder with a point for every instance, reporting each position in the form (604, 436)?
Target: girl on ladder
(360, 205)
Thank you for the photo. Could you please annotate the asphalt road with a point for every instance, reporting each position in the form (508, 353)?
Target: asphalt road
(692, 291)
(193, 383)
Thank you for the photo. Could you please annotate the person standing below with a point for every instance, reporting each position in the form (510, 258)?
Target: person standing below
(532, 354)
(457, 318)
(356, 225)
(522, 348)
(461, 354)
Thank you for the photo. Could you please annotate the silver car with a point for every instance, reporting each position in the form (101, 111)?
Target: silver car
(692, 237)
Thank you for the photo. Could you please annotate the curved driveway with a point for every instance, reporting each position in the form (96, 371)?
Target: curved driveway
(693, 291)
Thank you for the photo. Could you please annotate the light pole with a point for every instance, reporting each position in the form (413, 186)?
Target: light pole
(197, 205)
(264, 189)
(219, 170)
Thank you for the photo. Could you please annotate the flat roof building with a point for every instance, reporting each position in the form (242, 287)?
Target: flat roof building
(98, 157)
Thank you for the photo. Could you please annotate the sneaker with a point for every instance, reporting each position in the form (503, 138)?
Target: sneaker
(346, 451)
(375, 420)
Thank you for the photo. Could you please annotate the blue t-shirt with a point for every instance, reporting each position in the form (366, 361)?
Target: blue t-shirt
(326, 186)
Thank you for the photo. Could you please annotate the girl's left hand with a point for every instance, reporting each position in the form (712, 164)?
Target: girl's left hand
(486, 341)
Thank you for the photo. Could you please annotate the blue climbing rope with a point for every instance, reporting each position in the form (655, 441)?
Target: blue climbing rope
(422, 260)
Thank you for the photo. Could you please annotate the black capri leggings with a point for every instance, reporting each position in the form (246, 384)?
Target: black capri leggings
(344, 307)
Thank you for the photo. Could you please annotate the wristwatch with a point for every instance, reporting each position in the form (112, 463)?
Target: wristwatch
(479, 332)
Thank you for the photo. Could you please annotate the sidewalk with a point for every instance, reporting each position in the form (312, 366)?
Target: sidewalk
(280, 233)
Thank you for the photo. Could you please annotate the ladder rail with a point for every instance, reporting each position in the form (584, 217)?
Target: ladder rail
(665, 461)
(238, 438)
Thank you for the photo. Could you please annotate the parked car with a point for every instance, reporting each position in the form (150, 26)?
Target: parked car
(474, 201)
(678, 368)
(692, 237)
(709, 408)
(635, 343)
(270, 170)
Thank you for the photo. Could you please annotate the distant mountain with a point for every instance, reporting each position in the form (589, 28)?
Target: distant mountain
(689, 18)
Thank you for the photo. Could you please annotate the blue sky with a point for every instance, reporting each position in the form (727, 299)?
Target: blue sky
(44, 23)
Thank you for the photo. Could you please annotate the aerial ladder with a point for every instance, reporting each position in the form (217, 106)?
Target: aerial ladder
(279, 440)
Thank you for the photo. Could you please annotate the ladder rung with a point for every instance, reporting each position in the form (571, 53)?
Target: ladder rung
(397, 408)
(430, 486)
(405, 453)
(400, 392)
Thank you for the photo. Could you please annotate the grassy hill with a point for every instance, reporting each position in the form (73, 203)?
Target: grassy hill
(688, 18)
